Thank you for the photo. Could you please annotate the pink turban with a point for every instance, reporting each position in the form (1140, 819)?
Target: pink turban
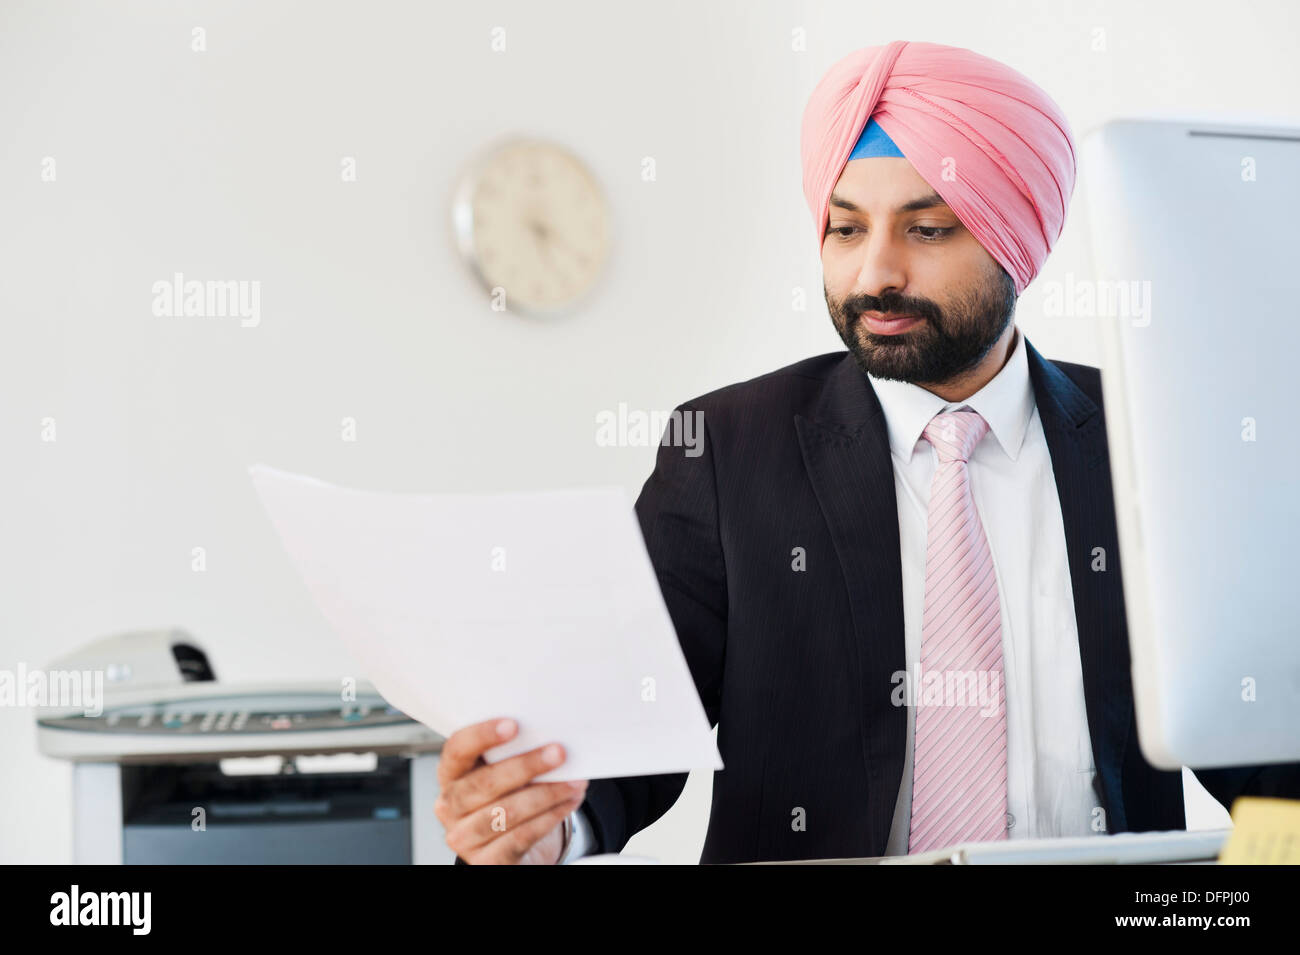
(990, 142)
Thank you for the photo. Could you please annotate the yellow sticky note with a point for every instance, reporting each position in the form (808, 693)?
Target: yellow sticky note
(1264, 832)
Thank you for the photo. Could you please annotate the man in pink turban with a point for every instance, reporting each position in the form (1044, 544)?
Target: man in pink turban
(880, 563)
(938, 181)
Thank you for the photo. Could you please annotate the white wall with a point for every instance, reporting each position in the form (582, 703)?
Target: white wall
(226, 164)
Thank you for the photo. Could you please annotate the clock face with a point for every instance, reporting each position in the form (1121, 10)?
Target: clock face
(534, 224)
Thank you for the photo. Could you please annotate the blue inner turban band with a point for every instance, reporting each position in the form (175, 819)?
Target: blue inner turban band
(874, 141)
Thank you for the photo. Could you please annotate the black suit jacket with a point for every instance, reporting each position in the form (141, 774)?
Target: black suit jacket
(795, 667)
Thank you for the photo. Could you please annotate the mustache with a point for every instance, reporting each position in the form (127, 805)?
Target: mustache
(890, 304)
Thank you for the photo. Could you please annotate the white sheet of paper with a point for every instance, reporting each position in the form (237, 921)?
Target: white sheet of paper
(540, 606)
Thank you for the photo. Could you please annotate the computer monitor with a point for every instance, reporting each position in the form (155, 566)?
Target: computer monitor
(1195, 232)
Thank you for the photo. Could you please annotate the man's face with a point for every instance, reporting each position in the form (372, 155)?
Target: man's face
(913, 294)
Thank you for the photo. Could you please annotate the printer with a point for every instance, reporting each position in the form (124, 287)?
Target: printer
(172, 766)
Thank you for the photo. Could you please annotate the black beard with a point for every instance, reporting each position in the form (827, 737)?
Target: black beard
(937, 349)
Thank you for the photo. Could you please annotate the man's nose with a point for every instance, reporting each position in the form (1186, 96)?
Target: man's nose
(882, 268)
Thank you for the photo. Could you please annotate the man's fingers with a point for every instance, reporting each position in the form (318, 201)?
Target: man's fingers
(463, 748)
(480, 827)
(510, 846)
(489, 783)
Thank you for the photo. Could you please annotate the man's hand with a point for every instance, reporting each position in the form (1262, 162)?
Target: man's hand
(491, 812)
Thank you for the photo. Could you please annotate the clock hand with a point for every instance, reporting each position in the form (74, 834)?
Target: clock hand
(550, 240)
(539, 232)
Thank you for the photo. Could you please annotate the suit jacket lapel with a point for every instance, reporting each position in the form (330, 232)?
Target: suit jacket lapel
(1075, 429)
(846, 452)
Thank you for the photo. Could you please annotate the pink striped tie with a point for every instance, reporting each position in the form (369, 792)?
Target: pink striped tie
(959, 779)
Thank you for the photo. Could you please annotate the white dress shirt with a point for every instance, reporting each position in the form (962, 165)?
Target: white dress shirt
(1049, 751)
(582, 837)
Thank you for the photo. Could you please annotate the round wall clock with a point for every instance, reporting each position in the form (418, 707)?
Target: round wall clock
(532, 221)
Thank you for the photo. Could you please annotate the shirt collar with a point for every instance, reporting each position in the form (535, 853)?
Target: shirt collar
(1006, 402)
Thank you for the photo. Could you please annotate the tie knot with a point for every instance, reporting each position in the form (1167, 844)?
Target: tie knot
(954, 434)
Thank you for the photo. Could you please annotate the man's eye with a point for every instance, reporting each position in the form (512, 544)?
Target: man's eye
(933, 233)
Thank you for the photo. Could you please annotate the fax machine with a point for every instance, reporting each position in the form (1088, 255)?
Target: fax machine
(172, 766)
